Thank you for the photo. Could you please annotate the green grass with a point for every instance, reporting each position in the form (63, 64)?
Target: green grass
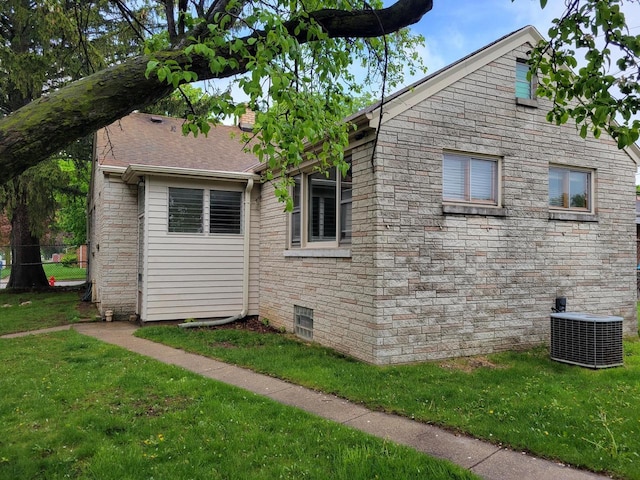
(74, 407)
(46, 309)
(57, 270)
(586, 418)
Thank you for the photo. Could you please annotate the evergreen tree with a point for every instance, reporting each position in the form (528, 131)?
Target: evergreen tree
(44, 45)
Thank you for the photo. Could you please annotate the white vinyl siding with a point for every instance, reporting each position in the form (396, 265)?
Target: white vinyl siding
(193, 276)
(469, 179)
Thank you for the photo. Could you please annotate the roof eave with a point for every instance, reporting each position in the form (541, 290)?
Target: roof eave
(133, 172)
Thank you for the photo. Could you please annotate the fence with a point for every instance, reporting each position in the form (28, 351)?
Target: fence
(62, 264)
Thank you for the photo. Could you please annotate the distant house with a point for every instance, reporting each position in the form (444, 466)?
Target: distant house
(453, 237)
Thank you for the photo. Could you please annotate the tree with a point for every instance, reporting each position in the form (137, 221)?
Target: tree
(182, 102)
(596, 98)
(43, 47)
(276, 42)
(226, 38)
(71, 215)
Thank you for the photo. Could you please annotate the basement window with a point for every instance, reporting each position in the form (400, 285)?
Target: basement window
(303, 321)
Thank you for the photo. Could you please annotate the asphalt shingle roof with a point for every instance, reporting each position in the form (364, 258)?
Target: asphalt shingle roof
(145, 139)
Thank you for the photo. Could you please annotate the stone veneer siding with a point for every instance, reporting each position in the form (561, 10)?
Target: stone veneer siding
(339, 290)
(422, 284)
(113, 245)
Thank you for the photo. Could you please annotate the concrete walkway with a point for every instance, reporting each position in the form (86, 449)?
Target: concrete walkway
(486, 460)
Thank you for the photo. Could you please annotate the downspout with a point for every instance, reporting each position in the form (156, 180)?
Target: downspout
(245, 268)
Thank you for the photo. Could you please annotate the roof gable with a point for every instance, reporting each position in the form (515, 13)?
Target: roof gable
(437, 81)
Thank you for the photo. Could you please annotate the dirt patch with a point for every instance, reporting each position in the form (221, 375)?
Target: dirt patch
(252, 324)
(468, 364)
(87, 310)
(155, 406)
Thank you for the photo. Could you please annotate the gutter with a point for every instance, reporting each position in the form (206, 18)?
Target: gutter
(133, 171)
(245, 268)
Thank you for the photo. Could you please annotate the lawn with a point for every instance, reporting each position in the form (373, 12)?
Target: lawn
(74, 407)
(587, 418)
(57, 270)
(20, 312)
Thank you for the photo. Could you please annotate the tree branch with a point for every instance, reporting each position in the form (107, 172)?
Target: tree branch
(45, 126)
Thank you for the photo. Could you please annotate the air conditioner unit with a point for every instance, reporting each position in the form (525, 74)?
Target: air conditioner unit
(592, 341)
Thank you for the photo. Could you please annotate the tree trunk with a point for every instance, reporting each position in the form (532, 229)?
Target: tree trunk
(26, 263)
(48, 124)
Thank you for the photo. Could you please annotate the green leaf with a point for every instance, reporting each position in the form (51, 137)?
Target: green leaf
(583, 131)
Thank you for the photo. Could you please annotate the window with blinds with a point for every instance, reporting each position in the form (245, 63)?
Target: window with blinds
(569, 189)
(523, 83)
(322, 203)
(185, 210)
(321, 209)
(225, 212)
(469, 179)
(296, 212)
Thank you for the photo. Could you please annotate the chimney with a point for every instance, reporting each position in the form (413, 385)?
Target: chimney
(247, 120)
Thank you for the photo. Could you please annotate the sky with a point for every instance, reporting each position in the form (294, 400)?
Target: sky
(456, 28)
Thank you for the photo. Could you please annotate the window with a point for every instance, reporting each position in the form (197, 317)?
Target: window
(570, 189)
(303, 321)
(296, 212)
(225, 211)
(185, 210)
(523, 84)
(470, 179)
(321, 208)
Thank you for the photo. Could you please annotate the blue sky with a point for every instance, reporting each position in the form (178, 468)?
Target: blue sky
(454, 29)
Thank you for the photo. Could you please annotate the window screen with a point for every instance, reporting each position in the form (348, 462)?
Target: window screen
(225, 212)
(185, 210)
(296, 212)
(345, 205)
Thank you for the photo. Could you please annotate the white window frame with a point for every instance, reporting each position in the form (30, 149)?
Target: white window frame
(566, 191)
(302, 212)
(468, 200)
(522, 64)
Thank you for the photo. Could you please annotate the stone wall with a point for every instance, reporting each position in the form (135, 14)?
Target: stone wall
(113, 255)
(464, 284)
(422, 284)
(338, 290)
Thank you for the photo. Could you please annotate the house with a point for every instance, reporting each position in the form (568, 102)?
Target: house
(157, 248)
(464, 215)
